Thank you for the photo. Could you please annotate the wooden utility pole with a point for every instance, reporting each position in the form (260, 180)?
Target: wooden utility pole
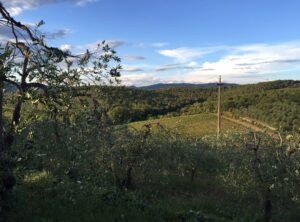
(219, 106)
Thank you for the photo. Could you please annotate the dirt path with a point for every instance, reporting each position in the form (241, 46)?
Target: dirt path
(247, 125)
(251, 126)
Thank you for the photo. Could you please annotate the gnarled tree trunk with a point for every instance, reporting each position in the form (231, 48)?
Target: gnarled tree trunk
(7, 180)
(1, 115)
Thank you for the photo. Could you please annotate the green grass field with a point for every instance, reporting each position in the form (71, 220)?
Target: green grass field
(192, 125)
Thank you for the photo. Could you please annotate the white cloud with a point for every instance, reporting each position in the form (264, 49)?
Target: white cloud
(127, 68)
(15, 7)
(252, 62)
(139, 79)
(185, 54)
(65, 47)
(139, 45)
(84, 2)
(133, 57)
(240, 64)
(192, 64)
(94, 45)
(160, 44)
(15, 10)
(61, 33)
(6, 33)
(175, 66)
(250, 59)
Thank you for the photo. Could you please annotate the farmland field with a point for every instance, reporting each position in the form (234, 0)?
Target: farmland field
(192, 125)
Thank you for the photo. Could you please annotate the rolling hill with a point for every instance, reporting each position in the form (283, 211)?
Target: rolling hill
(172, 85)
(191, 125)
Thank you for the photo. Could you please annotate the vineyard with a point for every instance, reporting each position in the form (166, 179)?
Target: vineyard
(196, 125)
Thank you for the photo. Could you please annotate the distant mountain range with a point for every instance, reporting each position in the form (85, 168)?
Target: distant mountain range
(172, 85)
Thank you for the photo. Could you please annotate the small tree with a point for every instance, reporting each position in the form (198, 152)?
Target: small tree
(43, 73)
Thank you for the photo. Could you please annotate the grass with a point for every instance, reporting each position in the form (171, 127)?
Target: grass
(163, 189)
(172, 198)
(192, 125)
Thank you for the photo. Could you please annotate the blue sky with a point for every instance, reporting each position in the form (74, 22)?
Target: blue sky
(194, 41)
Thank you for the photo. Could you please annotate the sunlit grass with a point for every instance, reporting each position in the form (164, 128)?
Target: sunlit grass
(191, 125)
(36, 177)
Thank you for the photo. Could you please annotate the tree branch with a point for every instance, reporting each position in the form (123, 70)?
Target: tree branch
(36, 85)
(13, 83)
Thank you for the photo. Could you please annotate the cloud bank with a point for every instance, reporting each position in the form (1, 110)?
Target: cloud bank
(241, 64)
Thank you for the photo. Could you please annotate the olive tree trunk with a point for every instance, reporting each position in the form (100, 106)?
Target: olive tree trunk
(1, 113)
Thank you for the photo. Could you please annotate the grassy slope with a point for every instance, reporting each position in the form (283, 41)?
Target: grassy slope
(192, 125)
(168, 195)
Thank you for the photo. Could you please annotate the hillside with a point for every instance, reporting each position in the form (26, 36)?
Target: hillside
(192, 125)
(172, 85)
(275, 103)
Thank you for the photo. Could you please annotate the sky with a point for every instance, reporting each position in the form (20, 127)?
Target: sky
(174, 41)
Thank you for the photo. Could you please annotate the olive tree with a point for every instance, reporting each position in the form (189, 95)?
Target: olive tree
(32, 67)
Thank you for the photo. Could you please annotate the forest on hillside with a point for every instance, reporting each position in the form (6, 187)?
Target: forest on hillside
(275, 103)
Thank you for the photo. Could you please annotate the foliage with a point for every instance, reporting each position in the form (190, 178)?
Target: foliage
(191, 125)
(275, 103)
(45, 75)
(118, 173)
